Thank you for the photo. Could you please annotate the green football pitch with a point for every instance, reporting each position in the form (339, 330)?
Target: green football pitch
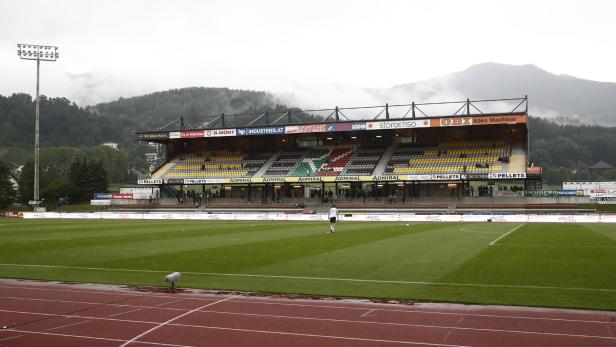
(558, 265)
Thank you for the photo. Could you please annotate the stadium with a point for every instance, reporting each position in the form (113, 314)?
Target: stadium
(441, 218)
(388, 160)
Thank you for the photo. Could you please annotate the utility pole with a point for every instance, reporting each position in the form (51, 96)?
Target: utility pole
(38, 53)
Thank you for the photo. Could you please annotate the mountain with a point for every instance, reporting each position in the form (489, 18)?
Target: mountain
(564, 98)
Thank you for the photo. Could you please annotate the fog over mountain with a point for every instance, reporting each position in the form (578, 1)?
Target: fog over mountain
(563, 98)
(570, 99)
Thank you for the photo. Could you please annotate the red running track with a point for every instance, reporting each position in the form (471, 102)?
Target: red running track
(52, 314)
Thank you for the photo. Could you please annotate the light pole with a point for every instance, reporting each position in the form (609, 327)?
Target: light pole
(38, 53)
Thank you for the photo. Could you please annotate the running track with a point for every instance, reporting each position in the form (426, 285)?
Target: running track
(52, 314)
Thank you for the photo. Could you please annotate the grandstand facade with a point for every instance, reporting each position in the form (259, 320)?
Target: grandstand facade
(463, 154)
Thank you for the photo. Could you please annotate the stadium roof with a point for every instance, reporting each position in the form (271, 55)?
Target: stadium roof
(380, 119)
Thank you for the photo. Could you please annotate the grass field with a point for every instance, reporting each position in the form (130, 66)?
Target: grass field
(558, 265)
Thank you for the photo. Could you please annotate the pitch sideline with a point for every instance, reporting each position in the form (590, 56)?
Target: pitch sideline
(333, 279)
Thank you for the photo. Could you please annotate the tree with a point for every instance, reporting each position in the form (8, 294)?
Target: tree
(87, 177)
(7, 192)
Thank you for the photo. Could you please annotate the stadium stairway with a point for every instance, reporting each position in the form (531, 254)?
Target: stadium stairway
(518, 159)
(268, 163)
(382, 165)
(163, 170)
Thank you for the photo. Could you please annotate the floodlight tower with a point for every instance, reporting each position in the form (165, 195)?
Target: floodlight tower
(38, 53)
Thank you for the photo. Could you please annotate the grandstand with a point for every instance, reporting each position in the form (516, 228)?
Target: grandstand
(409, 156)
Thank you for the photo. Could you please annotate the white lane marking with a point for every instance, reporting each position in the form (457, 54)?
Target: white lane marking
(506, 234)
(318, 319)
(446, 336)
(404, 324)
(68, 325)
(367, 313)
(169, 321)
(246, 300)
(323, 336)
(169, 302)
(430, 312)
(121, 313)
(92, 337)
(90, 303)
(358, 280)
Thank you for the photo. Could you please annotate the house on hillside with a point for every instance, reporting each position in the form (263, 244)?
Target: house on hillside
(599, 167)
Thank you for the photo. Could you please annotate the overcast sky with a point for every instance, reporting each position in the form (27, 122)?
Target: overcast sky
(125, 48)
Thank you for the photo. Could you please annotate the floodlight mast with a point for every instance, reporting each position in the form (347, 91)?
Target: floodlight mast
(38, 53)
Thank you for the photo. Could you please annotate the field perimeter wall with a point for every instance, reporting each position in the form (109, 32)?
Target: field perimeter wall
(269, 216)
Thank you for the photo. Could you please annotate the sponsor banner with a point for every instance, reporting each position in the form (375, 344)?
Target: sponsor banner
(308, 128)
(203, 180)
(398, 124)
(310, 179)
(261, 131)
(150, 181)
(389, 178)
(474, 176)
(153, 136)
(346, 126)
(9, 214)
(122, 196)
(543, 193)
(606, 200)
(418, 177)
(191, 134)
(100, 202)
(535, 170)
(444, 177)
(506, 175)
(451, 122)
(567, 192)
(432, 177)
(490, 120)
(367, 217)
(102, 196)
(602, 192)
(359, 126)
(348, 178)
(174, 181)
(238, 180)
(268, 180)
(219, 132)
(477, 120)
(588, 187)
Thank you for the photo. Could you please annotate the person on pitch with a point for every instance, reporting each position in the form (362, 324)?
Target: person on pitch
(333, 215)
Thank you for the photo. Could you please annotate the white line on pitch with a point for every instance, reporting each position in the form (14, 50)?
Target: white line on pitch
(176, 318)
(505, 234)
(550, 246)
(333, 279)
(467, 230)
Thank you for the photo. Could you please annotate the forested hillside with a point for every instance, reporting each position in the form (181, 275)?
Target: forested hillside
(564, 151)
